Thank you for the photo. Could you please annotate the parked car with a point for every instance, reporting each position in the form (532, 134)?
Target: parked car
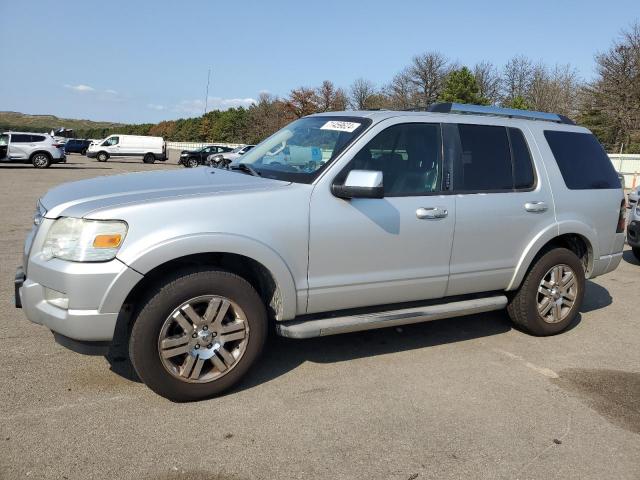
(193, 158)
(228, 156)
(633, 228)
(149, 149)
(39, 149)
(77, 145)
(408, 217)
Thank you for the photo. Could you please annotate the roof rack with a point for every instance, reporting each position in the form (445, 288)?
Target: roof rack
(466, 108)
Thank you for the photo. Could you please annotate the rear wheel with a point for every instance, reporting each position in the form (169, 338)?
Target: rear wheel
(197, 334)
(102, 157)
(41, 160)
(149, 158)
(636, 252)
(551, 294)
(83, 151)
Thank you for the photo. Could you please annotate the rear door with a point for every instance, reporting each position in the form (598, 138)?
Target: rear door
(19, 146)
(502, 202)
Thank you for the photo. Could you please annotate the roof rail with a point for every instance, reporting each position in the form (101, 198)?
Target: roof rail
(467, 108)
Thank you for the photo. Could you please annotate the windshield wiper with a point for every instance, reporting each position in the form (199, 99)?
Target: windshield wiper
(246, 168)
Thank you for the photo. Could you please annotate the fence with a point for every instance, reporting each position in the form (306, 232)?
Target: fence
(629, 166)
(196, 145)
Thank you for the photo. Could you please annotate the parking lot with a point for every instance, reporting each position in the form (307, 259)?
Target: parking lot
(467, 397)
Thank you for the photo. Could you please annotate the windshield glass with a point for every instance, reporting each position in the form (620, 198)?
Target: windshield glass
(302, 149)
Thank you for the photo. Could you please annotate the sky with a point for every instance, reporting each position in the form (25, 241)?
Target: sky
(146, 61)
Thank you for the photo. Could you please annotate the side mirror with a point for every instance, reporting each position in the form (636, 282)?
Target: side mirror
(360, 184)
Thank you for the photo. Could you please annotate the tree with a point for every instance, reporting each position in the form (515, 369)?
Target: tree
(488, 80)
(515, 78)
(330, 98)
(553, 90)
(460, 87)
(517, 102)
(361, 93)
(616, 91)
(267, 116)
(401, 92)
(427, 72)
(302, 101)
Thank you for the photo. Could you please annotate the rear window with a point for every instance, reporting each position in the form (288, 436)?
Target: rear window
(582, 160)
(37, 138)
(523, 177)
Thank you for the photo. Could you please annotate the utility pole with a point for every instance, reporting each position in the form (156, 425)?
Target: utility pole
(206, 95)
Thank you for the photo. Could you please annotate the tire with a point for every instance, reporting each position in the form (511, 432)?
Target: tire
(156, 321)
(149, 158)
(102, 157)
(83, 152)
(41, 160)
(526, 304)
(191, 162)
(636, 252)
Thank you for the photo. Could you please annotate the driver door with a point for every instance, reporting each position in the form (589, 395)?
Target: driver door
(370, 251)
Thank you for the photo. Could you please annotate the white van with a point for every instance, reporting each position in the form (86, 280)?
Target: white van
(149, 148)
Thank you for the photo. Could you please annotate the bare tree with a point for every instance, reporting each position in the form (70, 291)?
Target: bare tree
(266, 117)
(330, 98)
(553, 90)
(401, 92)
(360, 94)
(428, 72)
(616, 90)
(516, 77)
(488, 80)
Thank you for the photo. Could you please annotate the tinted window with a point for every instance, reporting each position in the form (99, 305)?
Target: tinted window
(481, 157)
(37, 138)
(408, 155)
(582, 160)
(522, 165)
(19, 138)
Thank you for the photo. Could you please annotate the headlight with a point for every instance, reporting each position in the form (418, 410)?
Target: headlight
(80, 240)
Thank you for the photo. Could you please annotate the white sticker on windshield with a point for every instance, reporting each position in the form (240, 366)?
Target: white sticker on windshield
(340, 126)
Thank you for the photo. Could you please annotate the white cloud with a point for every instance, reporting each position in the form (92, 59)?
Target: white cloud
(155, 106)
(194, 107)
(80, 88)
(110, 91)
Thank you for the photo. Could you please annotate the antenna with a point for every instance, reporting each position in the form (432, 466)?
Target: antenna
(206, 95)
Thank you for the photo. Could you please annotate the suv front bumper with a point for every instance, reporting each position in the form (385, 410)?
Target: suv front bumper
(96, 293)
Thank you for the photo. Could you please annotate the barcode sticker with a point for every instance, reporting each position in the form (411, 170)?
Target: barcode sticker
(340, 126)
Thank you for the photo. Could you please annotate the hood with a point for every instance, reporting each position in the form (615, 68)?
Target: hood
(77, 199)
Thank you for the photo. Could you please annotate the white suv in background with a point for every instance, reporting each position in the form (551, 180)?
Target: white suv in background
(39, 149)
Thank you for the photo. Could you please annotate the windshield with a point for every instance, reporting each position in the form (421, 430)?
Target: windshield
(302, 149)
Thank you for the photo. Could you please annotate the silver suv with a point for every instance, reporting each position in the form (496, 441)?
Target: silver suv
(39, 149)
(339, 222)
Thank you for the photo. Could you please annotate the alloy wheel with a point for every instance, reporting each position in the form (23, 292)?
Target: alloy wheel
(557, 293)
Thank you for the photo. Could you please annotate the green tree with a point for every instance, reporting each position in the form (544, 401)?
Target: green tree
(460, 86)
(517, 102)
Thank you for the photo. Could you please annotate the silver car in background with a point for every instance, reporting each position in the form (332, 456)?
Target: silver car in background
(228, 157)
(339, 222)
(39, 149)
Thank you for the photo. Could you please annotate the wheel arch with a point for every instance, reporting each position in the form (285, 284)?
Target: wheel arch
(578, 238)
(257, 263)
(33, 154)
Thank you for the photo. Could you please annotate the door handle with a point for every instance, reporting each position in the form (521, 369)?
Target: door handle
(431, 213)
(535, 207)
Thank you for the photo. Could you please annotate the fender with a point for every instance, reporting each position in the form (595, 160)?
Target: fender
(545, 236)
(177, 247)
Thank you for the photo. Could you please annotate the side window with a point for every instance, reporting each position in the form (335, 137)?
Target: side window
(109, 142)
(582, 161)
(20, 138)
(37, 138)
(480, 156)
(409, 157)
(523, 176)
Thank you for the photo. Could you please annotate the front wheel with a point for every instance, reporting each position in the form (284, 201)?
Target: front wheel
(102, 157)
(551, 294)
(197, 334)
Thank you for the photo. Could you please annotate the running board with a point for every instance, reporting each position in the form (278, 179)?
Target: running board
(368, 321)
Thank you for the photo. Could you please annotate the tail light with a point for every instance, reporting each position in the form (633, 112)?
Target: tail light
(621, 217)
